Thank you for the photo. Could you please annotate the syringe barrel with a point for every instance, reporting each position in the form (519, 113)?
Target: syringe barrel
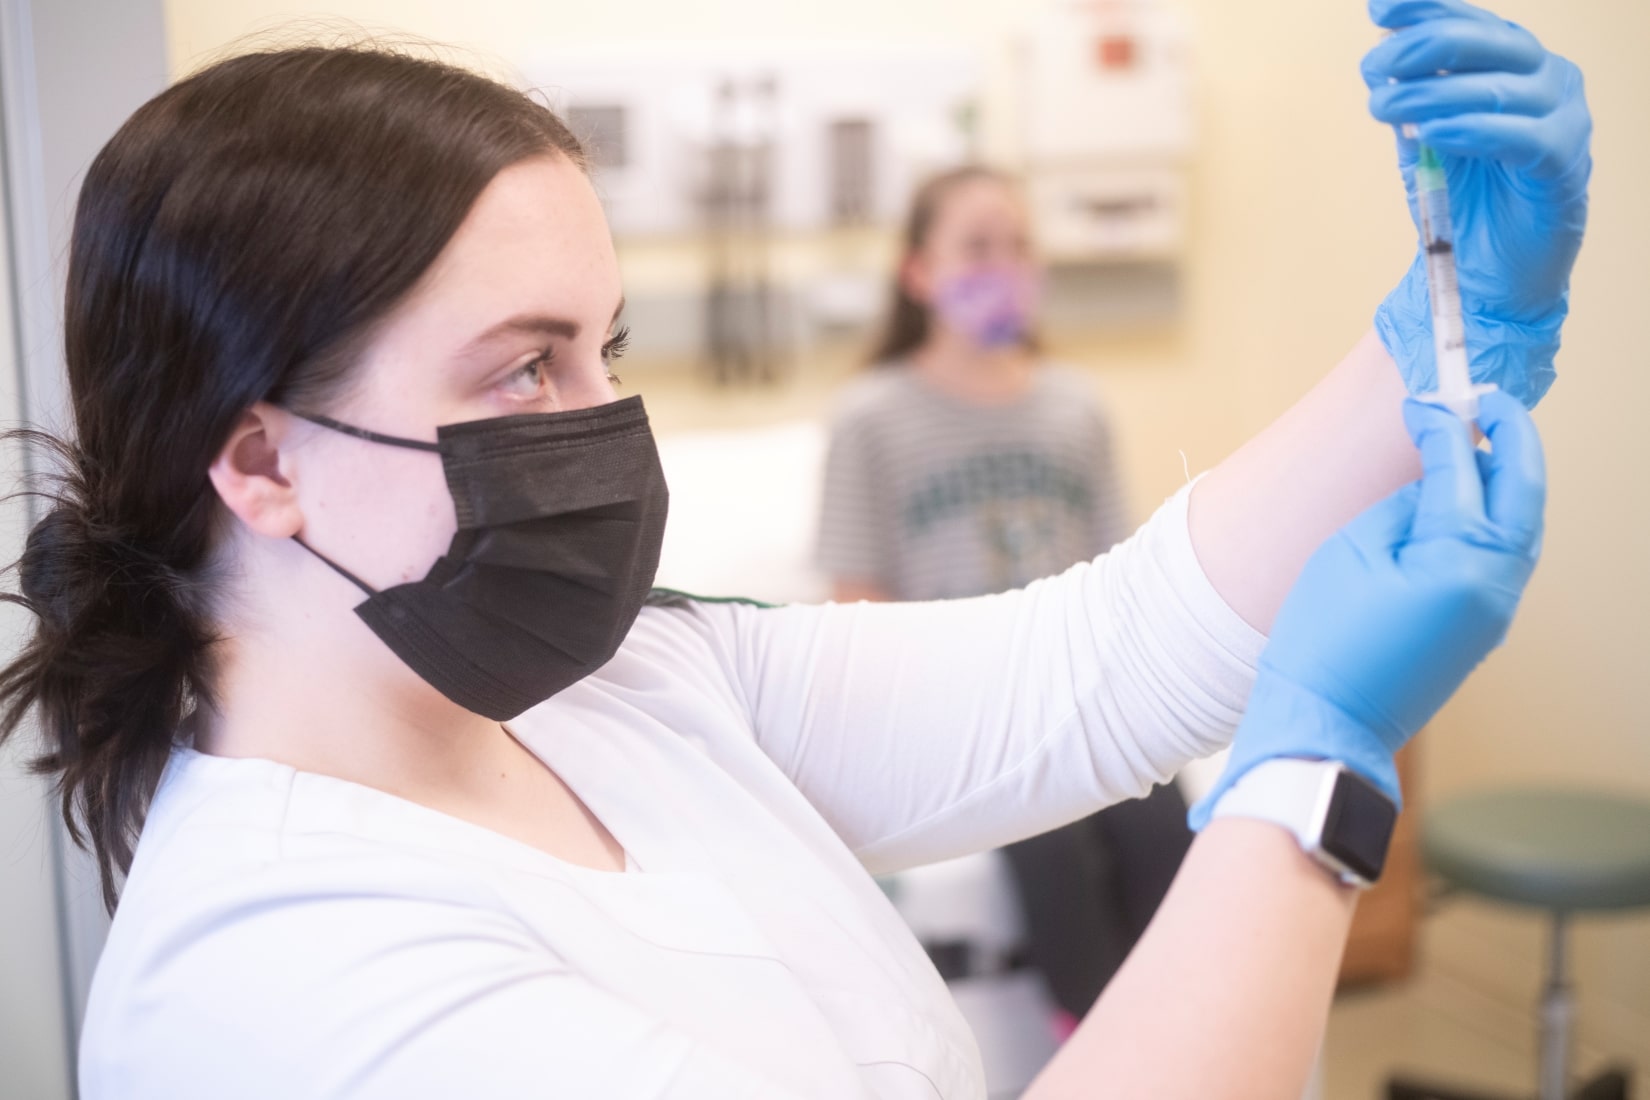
(1438, 239)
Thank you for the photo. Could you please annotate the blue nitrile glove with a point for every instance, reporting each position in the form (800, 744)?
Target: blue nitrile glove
(1393, 612)
(1511, 125)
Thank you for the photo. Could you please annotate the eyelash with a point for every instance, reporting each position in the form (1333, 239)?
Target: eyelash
(612, 350)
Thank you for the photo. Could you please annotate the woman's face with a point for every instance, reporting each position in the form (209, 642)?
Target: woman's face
(516, 315)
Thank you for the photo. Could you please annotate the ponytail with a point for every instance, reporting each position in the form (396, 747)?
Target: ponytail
(117, 659)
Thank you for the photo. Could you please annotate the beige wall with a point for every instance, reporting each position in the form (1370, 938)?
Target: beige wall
(1298, 230)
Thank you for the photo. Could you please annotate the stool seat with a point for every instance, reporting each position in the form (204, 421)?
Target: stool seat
(1566, 851)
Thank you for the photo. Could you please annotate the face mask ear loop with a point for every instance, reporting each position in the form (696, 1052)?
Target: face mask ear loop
(340, 570)
(370, 437)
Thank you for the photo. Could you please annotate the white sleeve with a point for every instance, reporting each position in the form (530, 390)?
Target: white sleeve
(928, 730)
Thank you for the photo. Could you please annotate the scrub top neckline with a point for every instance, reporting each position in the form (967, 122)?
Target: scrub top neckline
(430, 828)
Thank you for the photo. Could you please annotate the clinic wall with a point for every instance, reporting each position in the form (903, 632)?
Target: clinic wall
(1298, 229)
(34, 1037)
(34, 1046)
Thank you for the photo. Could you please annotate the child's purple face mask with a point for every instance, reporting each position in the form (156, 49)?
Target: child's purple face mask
(992, 306)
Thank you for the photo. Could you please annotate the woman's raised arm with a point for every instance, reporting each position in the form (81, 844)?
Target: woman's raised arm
(1227, 993)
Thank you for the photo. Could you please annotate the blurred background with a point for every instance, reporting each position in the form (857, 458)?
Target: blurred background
(1218, 217)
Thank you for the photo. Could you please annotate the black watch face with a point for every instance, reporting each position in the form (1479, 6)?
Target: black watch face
(1358, 827)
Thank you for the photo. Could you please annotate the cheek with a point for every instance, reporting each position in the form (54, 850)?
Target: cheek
(934, 275)
(385, 513)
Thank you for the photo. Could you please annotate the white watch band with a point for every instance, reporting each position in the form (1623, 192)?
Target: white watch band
(1294, 794)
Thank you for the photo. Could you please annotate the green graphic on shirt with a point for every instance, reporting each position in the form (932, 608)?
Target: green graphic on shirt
(990, 478)
(1021, 541)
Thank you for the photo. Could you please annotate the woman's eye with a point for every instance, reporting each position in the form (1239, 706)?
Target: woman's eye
(532, 378)
(614, 349)
(528, 379)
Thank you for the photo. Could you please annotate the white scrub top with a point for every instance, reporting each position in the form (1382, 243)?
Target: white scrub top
(289, 935)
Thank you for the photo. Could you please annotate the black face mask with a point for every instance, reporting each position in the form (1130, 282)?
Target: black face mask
(560, 520)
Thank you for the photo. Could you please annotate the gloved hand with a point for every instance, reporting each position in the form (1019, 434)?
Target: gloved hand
(1392, 613)
(1511, 125)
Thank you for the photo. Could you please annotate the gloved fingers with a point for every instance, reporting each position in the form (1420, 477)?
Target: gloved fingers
(1452, 45)
(1451, 500)
(1515, 471)
(1393, 14)
(1552, 148)
(1385, 525)
(1495, 93)
(1526, 145)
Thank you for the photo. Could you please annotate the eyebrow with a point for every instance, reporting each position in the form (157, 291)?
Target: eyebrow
(535, 324)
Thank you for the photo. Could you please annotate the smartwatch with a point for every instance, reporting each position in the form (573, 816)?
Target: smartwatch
(1341, 820)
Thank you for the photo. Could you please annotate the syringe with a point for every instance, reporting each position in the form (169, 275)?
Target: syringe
(1455, 388)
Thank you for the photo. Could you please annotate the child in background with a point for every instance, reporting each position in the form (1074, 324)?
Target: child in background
(964, 464)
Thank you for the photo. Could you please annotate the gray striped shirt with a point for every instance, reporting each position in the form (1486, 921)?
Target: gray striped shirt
(929, 496)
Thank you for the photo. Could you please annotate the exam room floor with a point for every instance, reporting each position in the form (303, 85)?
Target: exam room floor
(1440, 1025)
(1429, 1027)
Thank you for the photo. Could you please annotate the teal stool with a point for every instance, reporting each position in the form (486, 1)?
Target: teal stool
(1567, 852)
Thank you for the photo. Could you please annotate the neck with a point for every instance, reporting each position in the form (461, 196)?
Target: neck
(320, 693)
(961, 367)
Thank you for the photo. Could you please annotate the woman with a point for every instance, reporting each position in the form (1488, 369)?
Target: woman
(338, 322)
(964, 464)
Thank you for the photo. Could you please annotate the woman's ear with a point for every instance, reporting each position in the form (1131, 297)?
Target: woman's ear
(250, 477)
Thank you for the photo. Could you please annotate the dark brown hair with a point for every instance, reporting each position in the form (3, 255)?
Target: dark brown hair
(236, 241)
(905, 326)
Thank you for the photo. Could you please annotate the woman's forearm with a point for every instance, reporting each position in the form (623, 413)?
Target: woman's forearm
(1260, 514)
(1227, 993)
